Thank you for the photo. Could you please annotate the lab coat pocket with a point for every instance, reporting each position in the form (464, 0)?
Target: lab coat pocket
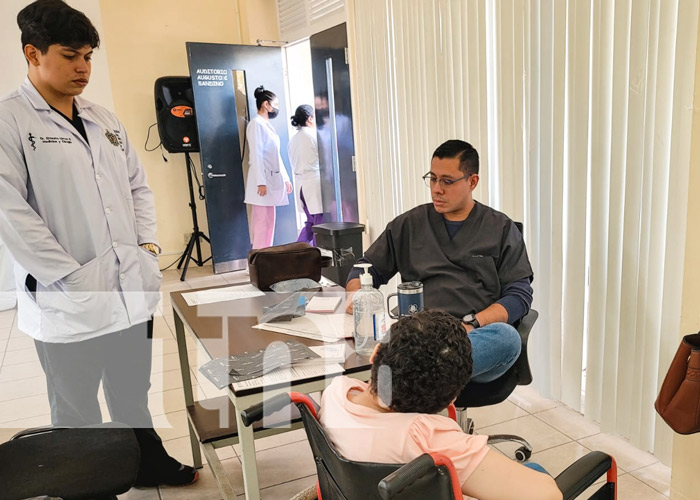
(78, 303)
(273, 180)
(151, 276)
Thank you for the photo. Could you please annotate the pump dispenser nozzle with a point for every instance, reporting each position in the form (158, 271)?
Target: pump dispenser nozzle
(366, 277)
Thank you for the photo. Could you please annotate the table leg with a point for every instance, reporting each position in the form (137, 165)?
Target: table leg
(250, 466)
(187, 385)
(194, 443)
(217, 469)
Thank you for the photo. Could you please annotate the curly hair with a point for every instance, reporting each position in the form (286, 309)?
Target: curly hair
(48, 22)
(424, 365)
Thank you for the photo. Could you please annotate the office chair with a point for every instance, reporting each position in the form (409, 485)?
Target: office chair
(96, 462)
(475, 395)
(427, 476)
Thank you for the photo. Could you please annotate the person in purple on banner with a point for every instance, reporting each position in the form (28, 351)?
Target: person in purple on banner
(303, 155)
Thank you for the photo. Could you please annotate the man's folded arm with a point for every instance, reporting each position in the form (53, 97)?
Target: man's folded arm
(516, 299)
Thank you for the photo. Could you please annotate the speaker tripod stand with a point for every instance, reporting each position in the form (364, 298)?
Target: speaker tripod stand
(196, 233)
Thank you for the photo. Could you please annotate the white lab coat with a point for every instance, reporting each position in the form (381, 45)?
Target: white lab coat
(303, 156)
(265, 165)
(73, 215)
(8, 296)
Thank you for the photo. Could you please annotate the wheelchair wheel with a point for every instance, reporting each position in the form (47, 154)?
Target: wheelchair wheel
(522, 454)
(470, 426)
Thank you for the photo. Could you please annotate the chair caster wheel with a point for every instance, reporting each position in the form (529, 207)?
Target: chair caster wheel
(522, 454)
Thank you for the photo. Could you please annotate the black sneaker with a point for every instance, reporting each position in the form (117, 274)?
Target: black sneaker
(181, 477)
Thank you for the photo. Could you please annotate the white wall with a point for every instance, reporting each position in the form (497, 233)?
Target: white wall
(15, 67)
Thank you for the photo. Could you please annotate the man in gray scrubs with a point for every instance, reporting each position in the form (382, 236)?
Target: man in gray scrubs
(79, 219)
(470, 258)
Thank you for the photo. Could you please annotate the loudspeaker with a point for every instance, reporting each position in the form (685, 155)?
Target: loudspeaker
(177, 125)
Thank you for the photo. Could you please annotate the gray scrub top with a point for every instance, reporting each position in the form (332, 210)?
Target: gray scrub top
(462, 275)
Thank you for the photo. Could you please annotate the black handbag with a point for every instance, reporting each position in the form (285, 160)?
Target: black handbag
(271, 265)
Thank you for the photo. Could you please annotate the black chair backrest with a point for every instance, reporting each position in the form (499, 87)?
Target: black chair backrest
(79, 463)
(342, 479)
(475, 394)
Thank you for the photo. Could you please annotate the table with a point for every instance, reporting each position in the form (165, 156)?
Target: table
(224, 329)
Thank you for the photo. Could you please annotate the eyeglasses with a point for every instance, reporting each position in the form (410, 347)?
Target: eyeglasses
(430, 180)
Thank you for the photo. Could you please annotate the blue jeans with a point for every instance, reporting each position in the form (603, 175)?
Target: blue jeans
(537, 467)
(495, 348)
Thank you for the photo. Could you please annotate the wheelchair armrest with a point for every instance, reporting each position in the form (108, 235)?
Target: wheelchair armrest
(399, 480)
(276, 403)
(406, 475)
(267, 407)
(584, 472)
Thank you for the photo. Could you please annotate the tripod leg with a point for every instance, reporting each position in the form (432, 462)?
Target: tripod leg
(196, 233)
(187, 256)
(198, 259)
(184, 255)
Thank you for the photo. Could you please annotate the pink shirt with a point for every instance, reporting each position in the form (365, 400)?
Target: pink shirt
(364, 434)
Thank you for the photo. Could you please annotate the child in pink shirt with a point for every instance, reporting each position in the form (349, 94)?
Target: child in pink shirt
(416, 373)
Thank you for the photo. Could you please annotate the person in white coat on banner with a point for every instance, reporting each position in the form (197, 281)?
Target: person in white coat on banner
(268, 184)
(303, 155)
(79, 220)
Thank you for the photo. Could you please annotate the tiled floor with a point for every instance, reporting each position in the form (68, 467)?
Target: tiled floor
(559, 435)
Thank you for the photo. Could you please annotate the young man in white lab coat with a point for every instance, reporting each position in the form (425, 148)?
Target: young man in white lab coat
(79, 219)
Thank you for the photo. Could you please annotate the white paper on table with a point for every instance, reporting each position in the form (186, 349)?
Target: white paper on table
(319, 304)
(325, 282)
(329, 353)
(221, 294)
(289, 374)
(322, 327)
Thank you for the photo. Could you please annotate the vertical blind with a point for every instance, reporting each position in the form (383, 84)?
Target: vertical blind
(302, 18)
(581, 113)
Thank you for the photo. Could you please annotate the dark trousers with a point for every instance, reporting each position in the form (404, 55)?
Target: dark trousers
(307, 235)
(122, 362)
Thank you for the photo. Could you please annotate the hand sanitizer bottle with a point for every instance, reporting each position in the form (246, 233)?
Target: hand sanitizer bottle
(368, 314)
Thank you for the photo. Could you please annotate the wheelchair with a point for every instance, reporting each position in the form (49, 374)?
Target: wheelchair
(427, 476)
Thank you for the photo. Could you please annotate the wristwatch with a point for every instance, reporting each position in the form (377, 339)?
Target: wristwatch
(151, 247)
(470, 319)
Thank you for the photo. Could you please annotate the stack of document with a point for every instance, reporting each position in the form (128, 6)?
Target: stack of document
(319, 304)
(289, 374)
(321, 327)
(223, 294)
(279, 362)
(327, 353)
